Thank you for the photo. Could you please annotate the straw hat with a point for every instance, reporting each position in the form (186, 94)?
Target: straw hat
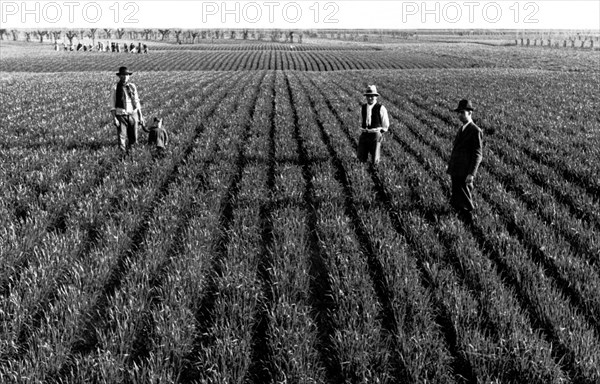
(371, 91)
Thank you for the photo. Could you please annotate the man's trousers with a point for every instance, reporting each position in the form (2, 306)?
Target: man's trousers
(127, 131)
(369, 144)
(462, 195)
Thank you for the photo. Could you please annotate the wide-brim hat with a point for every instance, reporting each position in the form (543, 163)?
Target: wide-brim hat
(371, 91)
(464, 105)
(123, 71)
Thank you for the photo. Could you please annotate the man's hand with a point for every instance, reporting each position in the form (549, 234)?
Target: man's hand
(114, 116)
(372, 130)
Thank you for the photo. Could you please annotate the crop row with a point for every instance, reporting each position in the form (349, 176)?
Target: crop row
(103, 309)
(400, 55)
(560, 136)
(566, 211)
(119, 216)
(116, 324)
(561, 275)
(564, 172)
(44, 186)
(260, 250)
(265, 46)
(424, 249)
(257, 59)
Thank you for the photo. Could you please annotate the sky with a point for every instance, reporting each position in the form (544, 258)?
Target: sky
(302, 14)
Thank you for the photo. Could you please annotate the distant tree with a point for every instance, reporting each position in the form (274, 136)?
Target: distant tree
(245, 34)
(81, 34)
(233, 35)
(15, 34)
(28, 36)
(70, 35)
(41, 34)
(56, 35)
(2, 33)
(120, 33)
(147, 33)
(177, 33)
(108, 33)
(194, 35)
(164, 33)
(203, 35)
(92, 35)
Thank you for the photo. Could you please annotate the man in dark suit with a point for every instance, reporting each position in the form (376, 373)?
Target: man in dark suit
(464, 161)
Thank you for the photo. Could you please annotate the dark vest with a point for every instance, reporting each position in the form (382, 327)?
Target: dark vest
(120, 99)
(375, 116)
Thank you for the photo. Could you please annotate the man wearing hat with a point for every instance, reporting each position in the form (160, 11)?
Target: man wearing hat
(126, 110)
(374, 122)
(464, 161)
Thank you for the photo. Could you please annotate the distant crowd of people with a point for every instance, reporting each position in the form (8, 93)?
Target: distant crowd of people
(102, 47)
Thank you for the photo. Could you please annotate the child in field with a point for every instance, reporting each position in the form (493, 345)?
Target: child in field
(157, 135)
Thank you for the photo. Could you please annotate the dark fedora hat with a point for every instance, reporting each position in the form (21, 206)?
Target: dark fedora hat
(123, 71)
(464, 105)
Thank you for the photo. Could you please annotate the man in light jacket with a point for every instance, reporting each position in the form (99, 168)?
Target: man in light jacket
(126, 110)
(374, 122)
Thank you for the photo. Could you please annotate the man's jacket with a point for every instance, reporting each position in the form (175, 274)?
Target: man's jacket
(467, 152)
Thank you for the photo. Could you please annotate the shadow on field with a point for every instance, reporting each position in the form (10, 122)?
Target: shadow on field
(83, 145)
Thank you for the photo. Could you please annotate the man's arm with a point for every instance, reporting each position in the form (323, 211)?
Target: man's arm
(113, 109)
(385, 120)
(360, 120)
(476, 155)
(136, 97)
(137, 107)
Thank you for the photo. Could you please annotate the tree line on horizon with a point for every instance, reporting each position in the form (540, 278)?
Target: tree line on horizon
(192, 36)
